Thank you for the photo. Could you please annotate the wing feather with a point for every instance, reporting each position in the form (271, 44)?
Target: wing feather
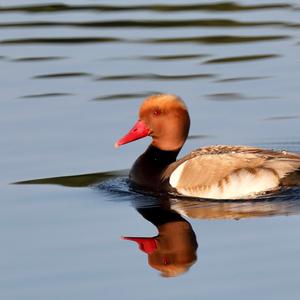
(211, 166)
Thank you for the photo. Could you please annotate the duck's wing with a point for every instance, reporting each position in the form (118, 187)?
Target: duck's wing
(230, 172)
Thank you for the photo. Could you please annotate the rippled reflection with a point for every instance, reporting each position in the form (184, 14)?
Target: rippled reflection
(46, 95)
(59, 40)
(222, 6)
(61, 75)
(38, 58)
(129, 96)
(210, 40)
(285, 203)
(174, 249)
(150, 24)
(233, 59)
(156, 77)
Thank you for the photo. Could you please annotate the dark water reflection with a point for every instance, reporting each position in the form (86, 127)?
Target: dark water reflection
(157, 77)
(38, 59)
(151, 24)
(222, 6)
(210, 40)
(61, 75)
(47, 95)
(124, 96)
(64, 40)
(174, 249)
(240, 58)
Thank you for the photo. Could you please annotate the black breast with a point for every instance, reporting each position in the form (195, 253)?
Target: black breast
(149, 167)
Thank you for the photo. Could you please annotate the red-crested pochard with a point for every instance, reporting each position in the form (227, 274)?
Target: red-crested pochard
(218, 172)
(173, 250)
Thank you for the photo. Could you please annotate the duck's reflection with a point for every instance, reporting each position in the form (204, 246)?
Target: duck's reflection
(173, 250)
(280, 204)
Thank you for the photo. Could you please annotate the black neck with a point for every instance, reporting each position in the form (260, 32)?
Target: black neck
(148, 168)
(161, 157)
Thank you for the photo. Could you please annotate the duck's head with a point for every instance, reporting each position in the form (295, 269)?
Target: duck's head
(165, 118)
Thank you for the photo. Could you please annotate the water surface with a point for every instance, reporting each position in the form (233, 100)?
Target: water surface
(72, 77)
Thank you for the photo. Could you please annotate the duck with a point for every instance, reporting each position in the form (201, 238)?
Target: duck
(211, 172)
(174, 249)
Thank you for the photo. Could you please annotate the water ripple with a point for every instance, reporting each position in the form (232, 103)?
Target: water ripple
(151, 24)
(156, 77)
(124, 96)
(38, 58)
(243, 58)
(236, 97)
(173, 57)
(282, 118)
(62, 75)
(214, 7)
(215, 39)
(219, 39)
(246, 78)
(198, 136)
(46, 95)
(60, 40)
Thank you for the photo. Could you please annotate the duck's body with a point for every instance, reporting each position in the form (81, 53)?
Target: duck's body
(218, 172)
(230, 172)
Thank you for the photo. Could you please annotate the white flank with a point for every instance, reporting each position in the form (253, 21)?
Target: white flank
(240, 184)
(175, 176)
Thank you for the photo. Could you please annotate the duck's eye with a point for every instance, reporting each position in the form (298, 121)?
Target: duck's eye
(156, 112)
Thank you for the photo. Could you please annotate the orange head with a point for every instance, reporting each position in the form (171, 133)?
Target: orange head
(165, 118)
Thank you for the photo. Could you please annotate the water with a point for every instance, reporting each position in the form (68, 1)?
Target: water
(73, 74)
